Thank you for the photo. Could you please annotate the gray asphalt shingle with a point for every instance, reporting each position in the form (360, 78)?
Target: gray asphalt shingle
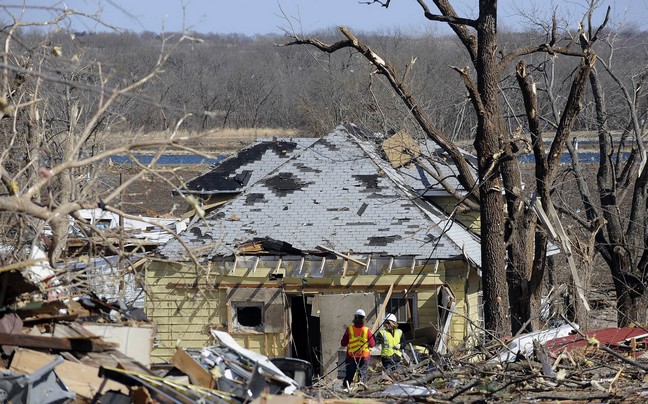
(334, 192)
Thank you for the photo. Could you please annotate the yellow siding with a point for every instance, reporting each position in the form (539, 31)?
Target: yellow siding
(266, 344)
(184, 317)
(473, 286)
(186, 314)
(470, 220)
(427, 308)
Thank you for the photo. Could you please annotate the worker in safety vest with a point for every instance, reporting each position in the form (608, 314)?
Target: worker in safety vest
(390, 337)
(358, 339)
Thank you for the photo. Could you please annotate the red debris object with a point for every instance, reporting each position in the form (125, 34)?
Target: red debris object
(611, 337)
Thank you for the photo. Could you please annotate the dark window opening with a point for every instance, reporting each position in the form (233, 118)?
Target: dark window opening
(405, 311)
(249, 316)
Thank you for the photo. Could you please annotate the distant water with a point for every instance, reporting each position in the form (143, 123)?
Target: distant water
(583, 157)
(172, 159)
(180, 159)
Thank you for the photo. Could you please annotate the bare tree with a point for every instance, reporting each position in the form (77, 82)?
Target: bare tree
(616, 214)
(513, 248)
(56, 111)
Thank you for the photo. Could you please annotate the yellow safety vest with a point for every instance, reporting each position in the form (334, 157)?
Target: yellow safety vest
(358, 346)
(390, 341)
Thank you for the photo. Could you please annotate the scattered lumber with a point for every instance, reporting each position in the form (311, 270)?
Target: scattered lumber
(56, 344)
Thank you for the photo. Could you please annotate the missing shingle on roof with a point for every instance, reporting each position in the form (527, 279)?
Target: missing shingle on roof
(329, 145)
(383, 240)
(303, 168)
(224, 177)
(253, 198)
(369, 181)
(362, 209)
(196, 231)
(283, 184)
(361, 224)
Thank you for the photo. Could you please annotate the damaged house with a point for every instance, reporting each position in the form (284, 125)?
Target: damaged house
(297, 235)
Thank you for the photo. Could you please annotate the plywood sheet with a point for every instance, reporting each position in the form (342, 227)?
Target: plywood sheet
(336, 314)
(134, 342)
(401, 149)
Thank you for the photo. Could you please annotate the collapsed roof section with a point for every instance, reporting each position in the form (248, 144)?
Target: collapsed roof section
(336, 193)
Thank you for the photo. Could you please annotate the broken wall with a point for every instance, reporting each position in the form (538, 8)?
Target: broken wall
(336, 314)
(186, 308)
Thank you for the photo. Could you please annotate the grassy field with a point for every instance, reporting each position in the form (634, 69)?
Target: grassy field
(213, 141)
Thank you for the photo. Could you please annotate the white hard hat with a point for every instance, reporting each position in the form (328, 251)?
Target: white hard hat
(390, 317)
(360, 313)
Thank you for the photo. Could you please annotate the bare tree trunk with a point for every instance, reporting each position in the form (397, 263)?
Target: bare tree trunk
(627, 274)
(488, 145)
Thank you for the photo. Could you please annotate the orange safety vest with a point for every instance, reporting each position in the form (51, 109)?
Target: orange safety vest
(358, 346)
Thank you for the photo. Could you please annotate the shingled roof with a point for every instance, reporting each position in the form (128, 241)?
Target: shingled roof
(336, 192)
(235, 173)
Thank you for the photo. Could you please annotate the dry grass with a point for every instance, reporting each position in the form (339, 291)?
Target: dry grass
(222, 140)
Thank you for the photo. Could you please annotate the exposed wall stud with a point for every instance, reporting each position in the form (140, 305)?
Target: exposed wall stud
(235, 262)
(301, 265)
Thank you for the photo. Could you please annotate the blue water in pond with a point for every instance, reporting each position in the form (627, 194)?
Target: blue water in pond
(173, 159)
(584, 157)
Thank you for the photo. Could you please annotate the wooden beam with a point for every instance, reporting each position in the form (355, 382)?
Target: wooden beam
(381, 312)
(190, 213)
(301, 265)
(196, 372)
(382, 282)
(256, 264)
(57, 344)
(345, 256)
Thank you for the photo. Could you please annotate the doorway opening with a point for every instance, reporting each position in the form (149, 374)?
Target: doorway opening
(306, 336)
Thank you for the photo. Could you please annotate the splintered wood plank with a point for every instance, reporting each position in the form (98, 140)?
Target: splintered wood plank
(197, 374)
(80, 378)
(381, 312)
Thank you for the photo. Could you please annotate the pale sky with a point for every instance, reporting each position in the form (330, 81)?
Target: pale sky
(253, 17)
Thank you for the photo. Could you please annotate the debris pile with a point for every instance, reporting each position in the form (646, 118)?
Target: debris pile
(609, 364)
